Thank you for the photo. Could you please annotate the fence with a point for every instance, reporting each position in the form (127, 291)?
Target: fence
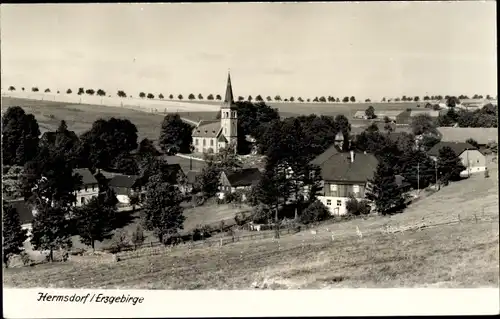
(156, 248)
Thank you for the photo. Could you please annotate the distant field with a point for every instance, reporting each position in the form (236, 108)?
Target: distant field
(459, 255)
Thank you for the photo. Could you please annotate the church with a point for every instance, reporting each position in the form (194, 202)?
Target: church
(213, 136)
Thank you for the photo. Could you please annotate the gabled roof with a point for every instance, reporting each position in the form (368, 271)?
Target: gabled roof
(228, 98)
(457, 147)
(87, 177)
(222, 138)
(389, 113)
(123, 181)
(207, 129)
(320, 159)
(432, 113)
(244, 177)
(338, 167)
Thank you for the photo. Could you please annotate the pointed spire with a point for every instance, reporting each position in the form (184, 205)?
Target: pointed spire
(229, 91)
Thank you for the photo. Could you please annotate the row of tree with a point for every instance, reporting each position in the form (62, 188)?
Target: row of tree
(487, 116)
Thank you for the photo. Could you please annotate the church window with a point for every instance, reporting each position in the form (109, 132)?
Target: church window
(204, 142)
(227, 114)
(195, 141)
(211, 142)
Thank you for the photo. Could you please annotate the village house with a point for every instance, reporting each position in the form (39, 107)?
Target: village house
(213, 136)
(89, 188)
(244, 179)
(126, 186)
(343, 174)
(471, 157)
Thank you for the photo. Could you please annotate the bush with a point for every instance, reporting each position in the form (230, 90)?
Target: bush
(240, 219)
(357, 208)
(138, 236)
(315, 212)
(25, 258)
(120, 242)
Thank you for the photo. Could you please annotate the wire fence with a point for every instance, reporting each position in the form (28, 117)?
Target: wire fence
(310, 233)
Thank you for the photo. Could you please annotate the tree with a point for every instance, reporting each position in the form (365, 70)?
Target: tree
(452, 101)
(249, 99)
(22, 89)
(121, 94)
(345, 99)
(259, 98)
(449, 164)
(160, 96)
(175, 135)
(218, 97)
(352, 99)
(11, 182)
(423, 124)
(34, 89)
(171, 96)
(210, 97)
(191, 96)
(138, 236)
(126, 164)
(47, 90)
(68, 91)
(316, 99)
(472, 142)
(387, 126)
(90, 91)
(11, 88)
(106, 141)
(142, 95)
(13, 236)
(94, 222)
(277, 98)
(308, 100)
(292, 99)
(81, 91)
(200, 97)
(51, 229)
(20, 136)
(355, 207)
(322, 99)
(367, 100)
(150, 96)
(268, 98)
(241, 98)
(416, 99)
(300, 99)
(147, 149)
(180, 97)
(386, 194)
(62, 142)
(370, 113)
(314, 213)
(101, 92)
(162, 212)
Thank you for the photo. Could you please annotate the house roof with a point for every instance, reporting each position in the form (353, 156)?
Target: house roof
(338, 167)
(123, 181)
(320, 159)
(388, 113)
(359, 114)
(244, 177)
(228, 98)
(191, 176)
(461, 134)
(108, 175)
(431, 113)
(207, 129)
(457, 147)
(23, 209)
(87, 177)
(222, 138)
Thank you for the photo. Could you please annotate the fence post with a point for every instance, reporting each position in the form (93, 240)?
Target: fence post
(151, 243)
(459, 220)
(475, 217)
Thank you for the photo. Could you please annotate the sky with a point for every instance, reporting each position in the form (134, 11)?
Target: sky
(369, 50)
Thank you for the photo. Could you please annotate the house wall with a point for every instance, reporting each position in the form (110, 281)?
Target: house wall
(86, 193)
(474, 161)
(335, 195)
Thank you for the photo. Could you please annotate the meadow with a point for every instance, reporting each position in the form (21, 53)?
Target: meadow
(461, 250)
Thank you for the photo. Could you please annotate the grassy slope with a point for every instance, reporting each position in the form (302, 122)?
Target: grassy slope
(459, 255)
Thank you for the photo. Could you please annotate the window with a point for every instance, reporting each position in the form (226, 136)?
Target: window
(339, 203)
(329, 202)
(333, 188)
(355, 189)
(85, 187)
(82, 200)
(204, 142)
(211, 142)
(195, 141)
(227, 114)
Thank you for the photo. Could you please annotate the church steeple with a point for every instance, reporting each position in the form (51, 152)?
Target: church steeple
(229, 91)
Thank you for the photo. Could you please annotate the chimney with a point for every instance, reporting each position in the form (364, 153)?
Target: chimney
(352, 156)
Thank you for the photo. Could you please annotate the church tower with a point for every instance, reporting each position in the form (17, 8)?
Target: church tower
(228, 116)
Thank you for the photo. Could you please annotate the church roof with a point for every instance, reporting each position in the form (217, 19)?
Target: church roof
(207, 129)
(222, 138)
(228, 98)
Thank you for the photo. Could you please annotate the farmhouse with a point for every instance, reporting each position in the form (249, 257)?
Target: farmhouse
(401, 117)
(212, 136)
(126, 186)
(242, 179)
(89, 188)
(471, 157)
(431, 113)
(343, 174)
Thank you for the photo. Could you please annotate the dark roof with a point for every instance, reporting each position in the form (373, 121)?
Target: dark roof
(191, 176)
(244, 177)
(207, 129)
(125, 181)
(87, 177)
(228, 98)
(24, 210)
(320, 159)
(457, 147)
(222, 138)
(338, 167)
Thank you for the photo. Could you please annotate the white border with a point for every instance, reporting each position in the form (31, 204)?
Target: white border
(22, 303)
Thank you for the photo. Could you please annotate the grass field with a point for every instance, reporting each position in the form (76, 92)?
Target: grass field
(457, 255)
